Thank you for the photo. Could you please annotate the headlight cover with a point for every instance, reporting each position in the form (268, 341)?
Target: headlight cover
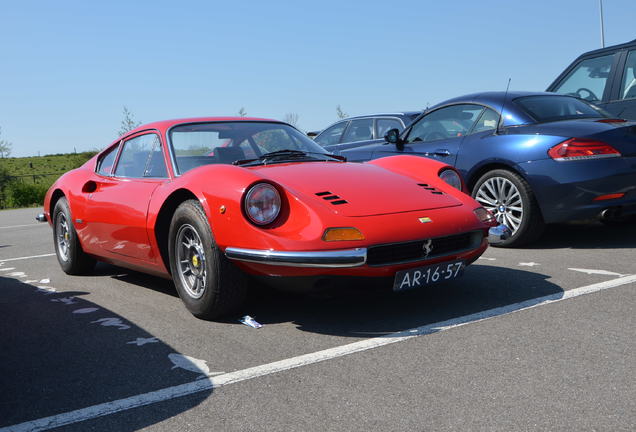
(451, 177)
(262, 204)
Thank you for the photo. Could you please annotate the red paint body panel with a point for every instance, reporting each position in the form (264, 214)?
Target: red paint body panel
(384, 201)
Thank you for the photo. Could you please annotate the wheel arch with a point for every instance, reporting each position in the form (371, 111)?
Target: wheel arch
(164, 217)
(476, 175)
(55, 197)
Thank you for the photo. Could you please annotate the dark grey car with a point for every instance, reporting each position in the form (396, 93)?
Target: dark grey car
(361, 130)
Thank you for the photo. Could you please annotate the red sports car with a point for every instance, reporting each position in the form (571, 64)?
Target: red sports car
(207, 201)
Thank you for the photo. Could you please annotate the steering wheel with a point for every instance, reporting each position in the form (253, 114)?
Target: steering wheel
(590, 94)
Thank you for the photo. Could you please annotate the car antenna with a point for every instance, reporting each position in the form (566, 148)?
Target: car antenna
(503, 104)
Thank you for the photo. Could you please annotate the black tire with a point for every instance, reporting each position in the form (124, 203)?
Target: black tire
(526, 218)
(69, 252)
(209, 285)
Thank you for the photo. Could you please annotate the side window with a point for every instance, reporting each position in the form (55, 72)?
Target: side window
(141, 157)
(588, 79)
(382, 125)
(628, 90)
(487, 121)
(449, 122)
(359, 130)
(332, 134)
(106, 162)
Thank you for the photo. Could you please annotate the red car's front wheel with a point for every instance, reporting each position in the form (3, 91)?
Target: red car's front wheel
(208, 284)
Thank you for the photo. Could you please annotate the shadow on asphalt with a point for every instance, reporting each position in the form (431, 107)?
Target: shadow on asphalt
(59, 352)
(362, 312)
(587, 235)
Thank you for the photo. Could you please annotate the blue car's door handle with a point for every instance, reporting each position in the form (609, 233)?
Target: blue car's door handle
(441, 152)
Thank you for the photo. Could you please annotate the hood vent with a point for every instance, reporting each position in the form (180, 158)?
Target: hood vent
(431, 189)
(332, 198)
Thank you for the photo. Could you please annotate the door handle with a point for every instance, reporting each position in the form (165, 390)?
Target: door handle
(442, 152)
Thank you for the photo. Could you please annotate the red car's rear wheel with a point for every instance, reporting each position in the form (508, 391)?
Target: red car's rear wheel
(208, 284)
(68, 249)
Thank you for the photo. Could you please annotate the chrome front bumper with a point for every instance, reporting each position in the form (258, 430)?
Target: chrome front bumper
(498, 234)
(339, 258)
(330, 259)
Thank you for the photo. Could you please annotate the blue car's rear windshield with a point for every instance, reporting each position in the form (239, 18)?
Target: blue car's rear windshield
(554, 108)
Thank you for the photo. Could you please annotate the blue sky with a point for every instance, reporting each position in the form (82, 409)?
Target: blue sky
(67, 68)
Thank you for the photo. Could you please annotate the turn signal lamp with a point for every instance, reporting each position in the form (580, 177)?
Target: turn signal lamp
(342, 234)
(485, 216)
(580, 149)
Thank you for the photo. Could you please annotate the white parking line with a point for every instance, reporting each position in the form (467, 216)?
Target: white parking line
(27, 257)
(303, 360)
(21, 226)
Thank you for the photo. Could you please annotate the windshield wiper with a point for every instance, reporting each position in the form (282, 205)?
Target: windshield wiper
(287, 154)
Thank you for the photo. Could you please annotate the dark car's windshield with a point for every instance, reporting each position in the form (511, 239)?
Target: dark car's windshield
(199, 144)
(553, 108)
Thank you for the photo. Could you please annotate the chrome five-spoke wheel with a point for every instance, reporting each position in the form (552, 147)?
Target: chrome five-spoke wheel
(68, 249)
(208, 284)
(63, 237)
(191, 261)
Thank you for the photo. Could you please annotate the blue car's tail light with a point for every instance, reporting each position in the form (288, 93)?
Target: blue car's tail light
(581, 149)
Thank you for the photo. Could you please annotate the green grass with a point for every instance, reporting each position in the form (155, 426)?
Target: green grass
(40, 165)
(23, 181)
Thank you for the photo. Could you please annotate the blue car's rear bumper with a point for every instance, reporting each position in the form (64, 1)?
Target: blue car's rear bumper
(567, 190)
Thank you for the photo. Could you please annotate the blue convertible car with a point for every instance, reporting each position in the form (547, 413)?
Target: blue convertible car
(530, 158)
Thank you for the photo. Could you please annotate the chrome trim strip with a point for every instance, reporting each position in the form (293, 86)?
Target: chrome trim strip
(329, 259)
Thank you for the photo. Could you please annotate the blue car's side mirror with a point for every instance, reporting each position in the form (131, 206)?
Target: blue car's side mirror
(392, 136)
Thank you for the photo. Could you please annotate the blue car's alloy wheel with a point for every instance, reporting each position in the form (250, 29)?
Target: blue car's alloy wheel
(502, 198)
(509, 197)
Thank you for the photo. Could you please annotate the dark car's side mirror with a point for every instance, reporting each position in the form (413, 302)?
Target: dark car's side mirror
(392, 136)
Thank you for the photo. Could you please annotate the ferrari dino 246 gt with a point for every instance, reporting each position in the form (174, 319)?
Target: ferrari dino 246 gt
(208, 201)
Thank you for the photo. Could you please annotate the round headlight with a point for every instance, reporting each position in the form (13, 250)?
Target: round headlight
(452, 178)
(262, 203)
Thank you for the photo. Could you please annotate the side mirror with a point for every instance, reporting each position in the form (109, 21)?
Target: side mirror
(392, 136)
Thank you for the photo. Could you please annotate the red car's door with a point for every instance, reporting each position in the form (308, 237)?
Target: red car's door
(117, 205)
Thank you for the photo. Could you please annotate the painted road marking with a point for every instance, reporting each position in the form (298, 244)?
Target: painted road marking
(210, 383)
(598, 272)
(25, 258)
(20, 226)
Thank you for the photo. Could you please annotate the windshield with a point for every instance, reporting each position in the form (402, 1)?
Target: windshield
(199, 144)
(553, 108)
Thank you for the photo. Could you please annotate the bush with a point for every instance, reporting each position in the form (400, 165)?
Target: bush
(19, 194)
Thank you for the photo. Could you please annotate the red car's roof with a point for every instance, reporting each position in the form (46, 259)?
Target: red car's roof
(165, 124)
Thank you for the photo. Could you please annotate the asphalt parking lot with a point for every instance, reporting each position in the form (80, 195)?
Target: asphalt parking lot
(540, 338)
